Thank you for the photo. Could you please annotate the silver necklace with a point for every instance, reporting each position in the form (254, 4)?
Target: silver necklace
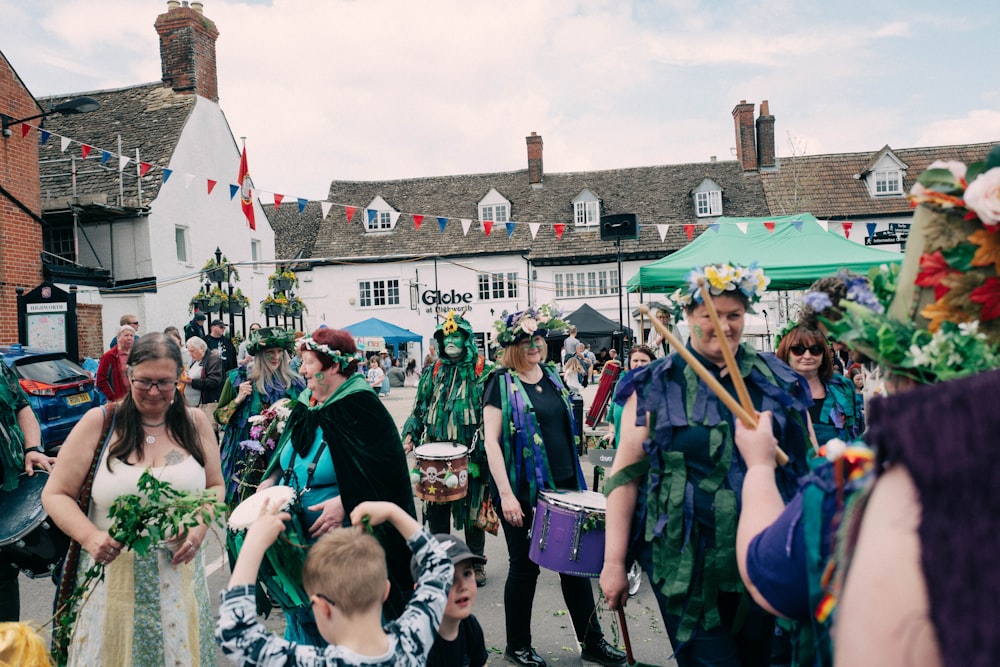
(150, 439)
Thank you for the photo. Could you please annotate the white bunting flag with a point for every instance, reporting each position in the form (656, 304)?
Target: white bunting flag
(663, 231)
(466, 223)
(742, 226)
(64, 142)
(824, 224)
(188, 179)
(533, 227)
(325, 207)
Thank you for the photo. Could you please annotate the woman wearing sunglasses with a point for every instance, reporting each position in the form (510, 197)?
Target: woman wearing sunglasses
(837, 407)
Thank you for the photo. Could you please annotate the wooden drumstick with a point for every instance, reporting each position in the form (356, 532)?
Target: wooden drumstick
(727, 354)
(709, 379)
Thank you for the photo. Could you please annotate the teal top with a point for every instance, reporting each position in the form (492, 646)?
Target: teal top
(324, 481)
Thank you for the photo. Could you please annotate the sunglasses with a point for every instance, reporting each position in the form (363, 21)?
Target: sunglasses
(814, 350)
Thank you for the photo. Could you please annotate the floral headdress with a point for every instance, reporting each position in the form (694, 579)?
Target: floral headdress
(337, 356)
(270, 337)
(530, 322)
(720, 279)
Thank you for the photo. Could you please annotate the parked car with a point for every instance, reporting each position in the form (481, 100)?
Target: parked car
(59, 389)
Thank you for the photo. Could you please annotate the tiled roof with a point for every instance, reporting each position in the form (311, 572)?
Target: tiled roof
(658, 195)
(149, 117)
(825, 185)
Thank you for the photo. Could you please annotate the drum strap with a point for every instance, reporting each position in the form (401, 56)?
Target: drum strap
(60, 635)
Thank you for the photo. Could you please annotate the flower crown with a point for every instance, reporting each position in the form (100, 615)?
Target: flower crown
(337, 356)
(749, 281)
(529, 322)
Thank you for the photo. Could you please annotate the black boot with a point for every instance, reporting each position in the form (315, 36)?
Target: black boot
(602, 653)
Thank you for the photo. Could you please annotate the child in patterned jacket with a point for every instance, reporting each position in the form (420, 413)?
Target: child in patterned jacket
(345, 577)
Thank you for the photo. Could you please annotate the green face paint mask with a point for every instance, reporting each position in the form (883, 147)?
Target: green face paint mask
(697, 331)
(319, 376)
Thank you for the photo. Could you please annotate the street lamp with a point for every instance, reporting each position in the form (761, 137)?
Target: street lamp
(67, 108)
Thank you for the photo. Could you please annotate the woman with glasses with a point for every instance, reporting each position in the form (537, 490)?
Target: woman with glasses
(837, 409)
(529, 434)
(638, 356)
(151, 609)
(249, 390)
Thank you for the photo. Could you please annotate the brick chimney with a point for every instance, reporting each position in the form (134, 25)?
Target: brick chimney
(765, 137)
(187, 49)
(746, 147)
(535, 171)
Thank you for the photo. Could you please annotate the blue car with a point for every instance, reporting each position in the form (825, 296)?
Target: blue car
(59, 389)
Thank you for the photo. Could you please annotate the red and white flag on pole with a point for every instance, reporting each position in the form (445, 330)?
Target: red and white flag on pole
(246, 194)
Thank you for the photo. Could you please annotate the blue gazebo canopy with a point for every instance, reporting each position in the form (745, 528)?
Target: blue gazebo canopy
(376, 328)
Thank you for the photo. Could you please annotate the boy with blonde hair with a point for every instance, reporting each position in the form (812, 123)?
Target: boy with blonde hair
(345, 578)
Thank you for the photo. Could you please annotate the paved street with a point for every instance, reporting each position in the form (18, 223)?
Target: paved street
(552, 630)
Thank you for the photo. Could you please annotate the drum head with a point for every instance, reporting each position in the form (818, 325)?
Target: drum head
(577, 500)
(248, 511)
(22, 507)
(441, 451)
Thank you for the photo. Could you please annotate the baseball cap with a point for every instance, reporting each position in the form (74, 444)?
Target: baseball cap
(218, 323)
(458, 551)
(200, 317)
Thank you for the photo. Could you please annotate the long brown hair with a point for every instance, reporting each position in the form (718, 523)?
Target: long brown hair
(128, 422)
(800, 335)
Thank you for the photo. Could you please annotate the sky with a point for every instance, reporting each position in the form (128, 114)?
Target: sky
(388, 89)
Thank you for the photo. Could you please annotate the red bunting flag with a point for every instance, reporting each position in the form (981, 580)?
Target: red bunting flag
(769, 226)
(417, 221)
(350, 212)
(25, 128)
(488, 226)
(559, 228)
(847, 228)
(144, 168)
(277, 200)
(246, 193)
(85, 151)
(689, 230)
(211, 185)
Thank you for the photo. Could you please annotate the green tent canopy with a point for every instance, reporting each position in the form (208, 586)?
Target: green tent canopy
(798, 252)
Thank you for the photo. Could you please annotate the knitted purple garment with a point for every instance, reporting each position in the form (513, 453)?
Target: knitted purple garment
(947, 436)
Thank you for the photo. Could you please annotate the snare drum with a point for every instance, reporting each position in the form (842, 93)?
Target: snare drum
(280, 573)
(567, 533)
(442, 472)
(28, 539)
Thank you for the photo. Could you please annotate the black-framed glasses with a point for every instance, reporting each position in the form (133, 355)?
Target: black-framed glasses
(815, 350)
(133, 324)
(324, 598)
(161, 385)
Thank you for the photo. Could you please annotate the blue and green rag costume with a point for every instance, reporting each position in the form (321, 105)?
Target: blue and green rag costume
(692, 479)
(841, 414)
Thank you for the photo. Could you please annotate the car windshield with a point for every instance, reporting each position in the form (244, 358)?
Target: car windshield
(50, 371)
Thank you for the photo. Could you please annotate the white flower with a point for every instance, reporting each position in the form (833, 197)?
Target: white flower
(983, 197)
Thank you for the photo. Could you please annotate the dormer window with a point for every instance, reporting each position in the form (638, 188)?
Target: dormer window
(494, 207)
(586, 209)
(884, 173)
(707, 199)
(380, 217)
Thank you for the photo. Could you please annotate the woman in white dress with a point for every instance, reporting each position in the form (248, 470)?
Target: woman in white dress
(151, 609)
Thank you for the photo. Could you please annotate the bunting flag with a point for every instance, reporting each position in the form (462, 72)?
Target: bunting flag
(534, 227)
(325, 208)
(769, 226)
(417, 221)
(144, 168)
(25, 128)
(211, 185)
(106, 155)
(277, 201)
(233, 189)
(559, 228)
(742, 226)
(349, 210)
(847, 228)
(393, 218)
(715, 227)
(442, 222)
(487, 226)
(64, 144)
(689, 230)
(45, 136)
(662, 229)
(166, 175)
(871, 230)
(797, 223)
(466, 223)
(370, 213)
(510, 229)
(246, 192)
(123, 161)
(824, 224)
(302, 204)
(85, 151)
(189, 179)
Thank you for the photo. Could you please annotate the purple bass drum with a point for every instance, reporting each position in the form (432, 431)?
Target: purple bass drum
(567, 533)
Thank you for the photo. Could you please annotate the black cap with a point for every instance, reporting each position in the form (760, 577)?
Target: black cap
(458, 552)
(200, 317)
(218, 323)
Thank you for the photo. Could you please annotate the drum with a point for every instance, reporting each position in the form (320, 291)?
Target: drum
(605, 389)
(28, 539)
(280, 573)
(567, 533)
(442, 472)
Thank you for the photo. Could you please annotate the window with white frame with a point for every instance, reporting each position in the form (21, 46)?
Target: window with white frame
(372, 293)
(586, 209)
(589, 283)
(255, 255)
(888, 182)
(497, 286)
(380, 216)
(494, 207)
(181, 243)
(708, 203)
(380, 222)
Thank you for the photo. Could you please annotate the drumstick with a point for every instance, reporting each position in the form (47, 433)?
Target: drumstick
(709, 379)
(727, 354)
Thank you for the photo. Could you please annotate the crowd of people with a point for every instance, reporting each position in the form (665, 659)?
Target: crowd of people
(770, 499)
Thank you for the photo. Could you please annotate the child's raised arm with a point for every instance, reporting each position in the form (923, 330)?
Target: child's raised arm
(260, 535)
(381, 511)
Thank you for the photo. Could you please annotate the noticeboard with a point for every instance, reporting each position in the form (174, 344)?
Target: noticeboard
(46, 319)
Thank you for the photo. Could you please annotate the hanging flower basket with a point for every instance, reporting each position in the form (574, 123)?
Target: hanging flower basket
(201, 304)
(215, 275)
(212, 307)
(235, 308)
(282, 284)
(273, 309)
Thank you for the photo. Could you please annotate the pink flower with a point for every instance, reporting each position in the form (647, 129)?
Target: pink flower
(983, 197)
(529, 325)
